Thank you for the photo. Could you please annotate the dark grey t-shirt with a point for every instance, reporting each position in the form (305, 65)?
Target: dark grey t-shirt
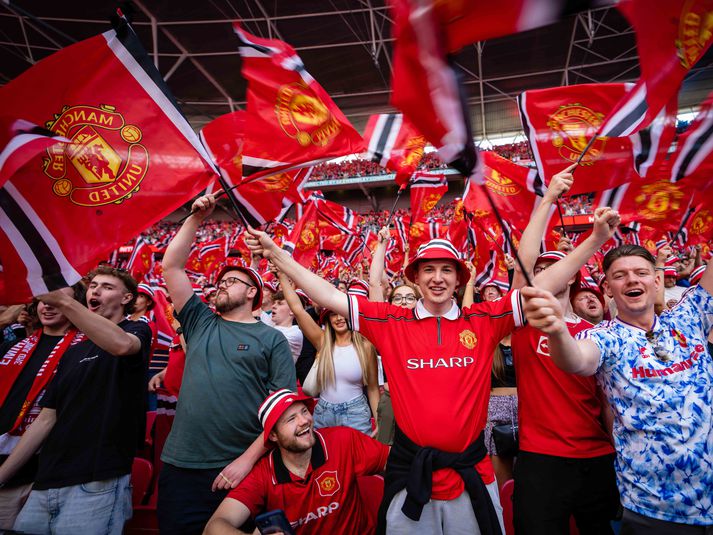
(230, 369)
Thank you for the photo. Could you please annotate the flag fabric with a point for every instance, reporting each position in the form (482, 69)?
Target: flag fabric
(212, 255)
(141, 260)
(426, 190)
(426, 86)
(303, 241)
(464, 23)
(651, 144)
(659, 203)
(21, 141)
(508, 185)
(693, 157)
(671, 36)
(394, 143)
(290, 118)
(133, 160)
(560, 121)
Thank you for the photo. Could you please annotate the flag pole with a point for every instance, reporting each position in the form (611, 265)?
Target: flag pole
(393, 208)
(578, 162)
(507, 235)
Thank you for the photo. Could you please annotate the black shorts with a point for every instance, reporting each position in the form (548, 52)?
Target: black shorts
(549, 490)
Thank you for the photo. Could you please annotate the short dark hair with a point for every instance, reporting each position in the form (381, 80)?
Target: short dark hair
(124, 276)
(279, 295)
(627, 250)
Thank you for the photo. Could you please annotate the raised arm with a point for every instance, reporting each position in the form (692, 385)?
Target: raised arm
(544, 312)
(174, 261)
(661, 256)
(318, 289)
(469, 292)
(555, 278)
(376, 269)
(100, 330)
(532, 236)
(707, 279)
(307, 325)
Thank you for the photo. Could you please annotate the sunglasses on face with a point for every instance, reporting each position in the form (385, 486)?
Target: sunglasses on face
(660, 352)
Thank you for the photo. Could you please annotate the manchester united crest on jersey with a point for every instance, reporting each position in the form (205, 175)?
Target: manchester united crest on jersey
(327, 483)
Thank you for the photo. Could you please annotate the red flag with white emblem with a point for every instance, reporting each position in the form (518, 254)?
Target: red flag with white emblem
(133, 160)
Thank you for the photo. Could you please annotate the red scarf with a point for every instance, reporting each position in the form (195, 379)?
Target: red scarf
(16, 359)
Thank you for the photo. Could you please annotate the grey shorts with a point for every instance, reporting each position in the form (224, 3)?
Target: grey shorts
(501, 410)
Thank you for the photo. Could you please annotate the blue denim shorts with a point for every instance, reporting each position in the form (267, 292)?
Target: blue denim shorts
(97, 507)
(354, 413)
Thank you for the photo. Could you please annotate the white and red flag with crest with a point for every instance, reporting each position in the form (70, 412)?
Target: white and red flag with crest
(133, 159)
(394, 143)
(559, 123)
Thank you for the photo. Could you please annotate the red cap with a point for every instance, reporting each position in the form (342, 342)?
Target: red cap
(697, 274)
(556, 256)
(148, 292)
(579, 289)
(438, 249)
(254, 276)
(358, 287)
(669, 271)
(275, 405)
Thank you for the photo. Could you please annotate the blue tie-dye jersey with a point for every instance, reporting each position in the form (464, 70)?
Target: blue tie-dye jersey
(663, 425)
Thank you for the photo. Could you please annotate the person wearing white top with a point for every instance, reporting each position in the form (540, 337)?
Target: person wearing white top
(283, 319)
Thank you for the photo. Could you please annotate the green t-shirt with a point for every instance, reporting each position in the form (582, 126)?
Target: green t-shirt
(231, 367)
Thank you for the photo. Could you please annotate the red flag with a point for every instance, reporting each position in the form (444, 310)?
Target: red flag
(426, 88)
(671, 36)
(133, 160)
(290, 118)
(560, 121)
(141, 260)
(693, 158)
(507, 183)
(21, 141)
(213, 254)
(426, 190)
(660, 203)
(303, 241)
(395, 144)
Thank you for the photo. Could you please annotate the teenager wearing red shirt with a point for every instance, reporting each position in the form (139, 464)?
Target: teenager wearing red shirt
(311, 475)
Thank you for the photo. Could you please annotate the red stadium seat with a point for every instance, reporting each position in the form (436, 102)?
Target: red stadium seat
(141, 475)
(371, 490)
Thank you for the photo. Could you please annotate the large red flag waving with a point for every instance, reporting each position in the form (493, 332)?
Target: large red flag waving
(133, 160)
(560, 121)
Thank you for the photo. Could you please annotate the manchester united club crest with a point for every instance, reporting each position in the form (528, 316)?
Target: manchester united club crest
(658, 199)
(308, 237)
(695, 31)
(430, 201)
(305, 117)
(702, 223)
(278, 183)
(105, 162)
(572, 126)
(500, 184)
(327, 483)
(468, 339)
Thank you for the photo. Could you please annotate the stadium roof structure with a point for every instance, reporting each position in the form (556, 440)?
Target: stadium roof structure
(345, 44)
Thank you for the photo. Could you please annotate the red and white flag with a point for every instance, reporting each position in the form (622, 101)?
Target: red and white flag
(133, 159)
(693, 158)
(141, 260)
(671, 36)
(559, 123)
(21, 141)
(426, 190)
(394, 143)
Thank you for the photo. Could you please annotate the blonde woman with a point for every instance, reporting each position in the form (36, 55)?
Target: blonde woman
(346, 363)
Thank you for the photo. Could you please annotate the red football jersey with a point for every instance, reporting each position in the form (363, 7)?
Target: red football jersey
(439, 372)
(327, 500)
(559, 413)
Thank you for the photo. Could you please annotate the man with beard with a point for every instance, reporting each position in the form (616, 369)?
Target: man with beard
(311, 475)
(233, 361)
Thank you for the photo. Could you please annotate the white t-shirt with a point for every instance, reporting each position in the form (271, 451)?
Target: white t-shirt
(347, 374)
(294, 337)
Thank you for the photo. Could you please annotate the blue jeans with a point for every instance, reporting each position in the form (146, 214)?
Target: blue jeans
(354, 413)
(94, 508)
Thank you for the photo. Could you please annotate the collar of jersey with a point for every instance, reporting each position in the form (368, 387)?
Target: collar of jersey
(421, 313)
(656, 326)
(319, 457)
